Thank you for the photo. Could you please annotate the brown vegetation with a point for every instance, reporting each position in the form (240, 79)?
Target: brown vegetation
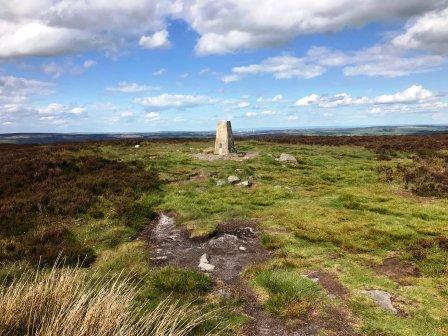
(44, 188)
(67, 302)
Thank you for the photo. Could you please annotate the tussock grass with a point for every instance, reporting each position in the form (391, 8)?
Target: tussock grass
(67, 302)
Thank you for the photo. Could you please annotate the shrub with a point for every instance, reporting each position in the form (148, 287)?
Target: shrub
(43, 186)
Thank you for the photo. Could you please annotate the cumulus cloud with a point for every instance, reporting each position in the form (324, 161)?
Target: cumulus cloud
(158, 40)
(169, 101)
(55, 27)
(277, 98)
(269, 112)
(47, 27)
(89, 63)
(152, 116)
(380, 60)
(251, 114)
(400, 101)
(159, 72)
(414, 94)
(429, 32)
(226, 26)
(243, 104)
(126, 87)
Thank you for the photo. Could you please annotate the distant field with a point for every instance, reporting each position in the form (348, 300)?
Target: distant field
(48, 138)
(354, 214)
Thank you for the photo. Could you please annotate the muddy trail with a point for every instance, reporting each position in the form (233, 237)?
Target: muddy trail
(224, 255)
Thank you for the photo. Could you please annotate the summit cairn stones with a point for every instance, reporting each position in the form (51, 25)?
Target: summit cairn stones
(224, 139)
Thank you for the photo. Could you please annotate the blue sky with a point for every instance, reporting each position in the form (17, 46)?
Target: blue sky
(140, 65)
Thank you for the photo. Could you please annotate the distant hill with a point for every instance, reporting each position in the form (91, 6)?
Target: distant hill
(43, 138)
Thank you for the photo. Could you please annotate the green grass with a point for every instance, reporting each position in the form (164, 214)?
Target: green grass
(331, 212)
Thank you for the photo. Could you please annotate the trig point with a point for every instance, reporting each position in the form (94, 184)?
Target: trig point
(224, 138)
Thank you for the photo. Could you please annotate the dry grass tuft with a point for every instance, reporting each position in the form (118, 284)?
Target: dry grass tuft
(67, 302)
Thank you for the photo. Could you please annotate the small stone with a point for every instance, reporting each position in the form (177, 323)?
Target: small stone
(233, 179)
(159, 258)
(224, 294)
(242, 248)
(204, 265)
(382, 299)
(245, 183)
(287, 158)
(220, 183)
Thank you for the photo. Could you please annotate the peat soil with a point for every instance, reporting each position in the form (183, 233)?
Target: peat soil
(227, 252)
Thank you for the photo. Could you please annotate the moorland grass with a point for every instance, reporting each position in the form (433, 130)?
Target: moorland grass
(332, 212)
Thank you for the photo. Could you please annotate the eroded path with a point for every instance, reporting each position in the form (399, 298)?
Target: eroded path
(224, 255)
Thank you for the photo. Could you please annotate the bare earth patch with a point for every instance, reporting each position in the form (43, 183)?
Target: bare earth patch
(232, 157)
(225, 254)
(400, 271)
(330, 282)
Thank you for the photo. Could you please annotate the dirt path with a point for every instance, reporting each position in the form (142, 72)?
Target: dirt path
(224, 255)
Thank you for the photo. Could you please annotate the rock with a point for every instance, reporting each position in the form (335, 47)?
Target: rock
(382, 299)
(204, 265)
(247, 183)
(242, 248)
(137, 146)
(233, 179)
(224, 294)
(220, 183)
(287, 158)
(226, 241)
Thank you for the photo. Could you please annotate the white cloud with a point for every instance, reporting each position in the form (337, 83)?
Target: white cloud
(414, 97)
(341, 99)
(126, 87)
(53, 69)
(47, 27)
(127, 114)
(89, 63)
(184, 75)
(380, 60)
(158, 40)
(269, 112)
(304, 101)
(152, 116)
(243, 104)
(230, 78)
(78, 110)
(159, 72)
(250, 114)
(414, 94)
(275, 99)
(54, 27)
(168, 101)
(11, 86)
(281, 67)
(429, 32)
(59, 109)
(387, 61)
(227, 26)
